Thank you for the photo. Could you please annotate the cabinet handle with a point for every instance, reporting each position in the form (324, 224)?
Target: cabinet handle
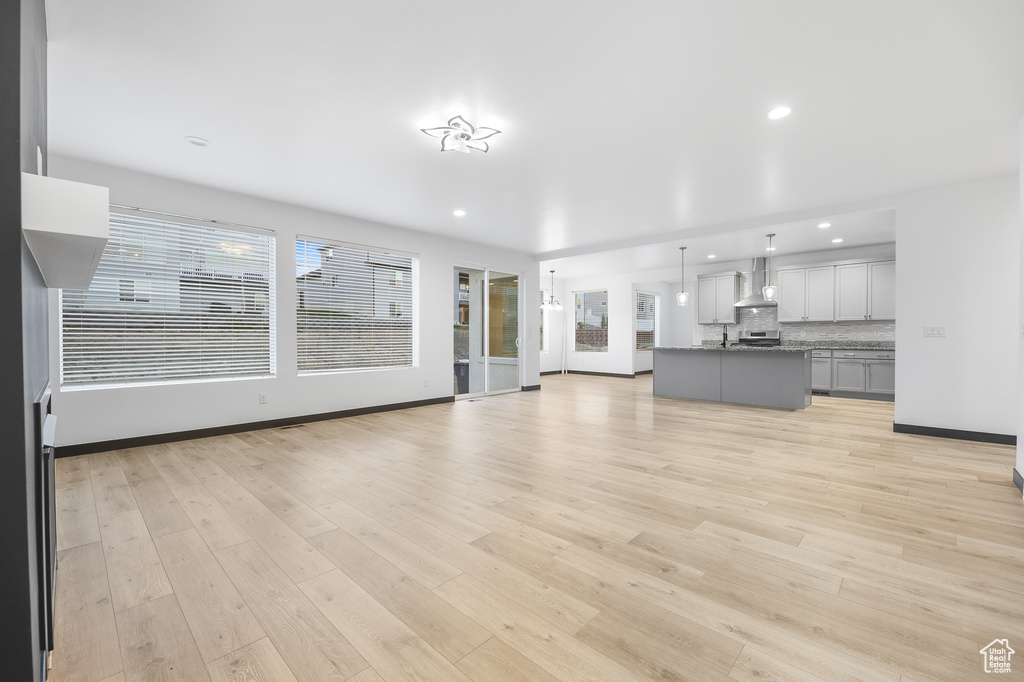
(850, 355)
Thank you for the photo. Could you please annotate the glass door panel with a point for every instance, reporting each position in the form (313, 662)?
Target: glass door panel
(468, 331)
(502, 332)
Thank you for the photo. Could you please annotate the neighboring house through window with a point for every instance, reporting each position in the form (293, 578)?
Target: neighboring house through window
(591, 328)
(172, 299)
(366, 318)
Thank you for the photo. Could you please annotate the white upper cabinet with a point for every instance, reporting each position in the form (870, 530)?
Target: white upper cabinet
(707, 304)
(792, 295)
(727, 290)
(866, 291)
(882, 290)
(852, 291)
(806, 295)
(821, 286)
(715, 297)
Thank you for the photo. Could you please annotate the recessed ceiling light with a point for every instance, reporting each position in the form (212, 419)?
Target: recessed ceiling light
(837, 240)
(712, 255)
(458, 213)
(824, 225)
(197, 141)
(779, 112)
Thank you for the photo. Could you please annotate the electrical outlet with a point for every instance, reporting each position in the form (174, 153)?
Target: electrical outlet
(263, 398)
(426, 383)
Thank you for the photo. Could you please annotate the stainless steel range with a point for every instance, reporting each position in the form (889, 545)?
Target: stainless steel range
(759, 337)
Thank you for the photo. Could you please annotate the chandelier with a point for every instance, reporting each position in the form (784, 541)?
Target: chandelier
(461, 136)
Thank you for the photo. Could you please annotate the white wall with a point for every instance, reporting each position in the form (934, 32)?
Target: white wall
(1020, 332)
(622, 356)
(957, 266)
(97, 415)
(682, 320)
(619, 358)
(643, 360)
(554, 329)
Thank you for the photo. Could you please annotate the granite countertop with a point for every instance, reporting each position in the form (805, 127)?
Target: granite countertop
(740, 349)
(841, 345)
(794, 346)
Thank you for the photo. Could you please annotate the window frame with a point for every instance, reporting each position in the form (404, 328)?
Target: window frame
(392, 277)
(654, 300)
(157, 276)
(577, 330)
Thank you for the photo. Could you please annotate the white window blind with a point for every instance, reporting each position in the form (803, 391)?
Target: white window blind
(172, 301)
(503, 316)
(355, 307)
(645, 312)
(591, 321)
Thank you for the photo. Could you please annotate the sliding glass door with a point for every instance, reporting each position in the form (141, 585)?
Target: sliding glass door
(502, 332)
(485, 332)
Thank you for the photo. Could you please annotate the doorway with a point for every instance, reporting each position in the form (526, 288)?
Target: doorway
(486, 332)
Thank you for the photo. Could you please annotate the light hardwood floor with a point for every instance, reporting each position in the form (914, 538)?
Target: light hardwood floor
(588, 531)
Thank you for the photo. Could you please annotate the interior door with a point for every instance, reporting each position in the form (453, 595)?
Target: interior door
(502, 332)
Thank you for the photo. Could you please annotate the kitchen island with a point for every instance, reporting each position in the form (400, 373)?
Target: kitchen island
(770, 376)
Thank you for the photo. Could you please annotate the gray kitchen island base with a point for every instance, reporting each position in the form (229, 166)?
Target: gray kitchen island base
(769, 377)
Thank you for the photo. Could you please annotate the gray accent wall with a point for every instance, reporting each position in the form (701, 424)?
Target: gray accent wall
(23, 345)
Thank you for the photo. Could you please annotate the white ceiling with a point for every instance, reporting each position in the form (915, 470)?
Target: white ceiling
(861, 229)
(624, 124)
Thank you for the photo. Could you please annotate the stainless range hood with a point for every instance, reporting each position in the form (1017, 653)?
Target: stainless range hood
(757, 280)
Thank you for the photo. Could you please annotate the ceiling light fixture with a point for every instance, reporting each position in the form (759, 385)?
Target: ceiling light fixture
(197, 141)
(461, 136)
(779, 112)
(682, 298)
(551, 303)
(824, 225)
(768, 291)
(837, 240)
(711, 255)
(458, 213)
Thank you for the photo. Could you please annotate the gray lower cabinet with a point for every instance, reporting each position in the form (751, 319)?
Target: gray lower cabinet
(771, 378)
(864, 372)
(821, 370)
(848, 374)
(880, 376)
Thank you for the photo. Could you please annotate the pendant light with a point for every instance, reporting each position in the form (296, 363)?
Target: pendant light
(768, 290)
(682, 298)
(551, 303)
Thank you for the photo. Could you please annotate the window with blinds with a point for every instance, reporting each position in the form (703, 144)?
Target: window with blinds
(645, 320)
(355, 308)
(591, 321)
(171, 301)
